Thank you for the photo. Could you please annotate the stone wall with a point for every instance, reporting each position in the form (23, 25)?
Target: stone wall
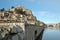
(32, 31)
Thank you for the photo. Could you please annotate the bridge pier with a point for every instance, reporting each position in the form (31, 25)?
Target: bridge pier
(33, 32)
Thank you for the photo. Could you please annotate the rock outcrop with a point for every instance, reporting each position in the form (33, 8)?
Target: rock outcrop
(8, 33)
(16, 14)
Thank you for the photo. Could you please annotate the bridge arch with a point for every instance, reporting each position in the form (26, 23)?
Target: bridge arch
(50, 26)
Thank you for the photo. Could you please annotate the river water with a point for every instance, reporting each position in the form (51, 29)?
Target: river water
(51, 34)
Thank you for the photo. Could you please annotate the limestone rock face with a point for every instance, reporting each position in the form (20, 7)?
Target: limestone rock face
(14, 15)
(15, 33)
(16, 29)
(28, 12)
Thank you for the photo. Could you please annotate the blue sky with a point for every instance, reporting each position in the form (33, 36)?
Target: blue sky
(47, 11)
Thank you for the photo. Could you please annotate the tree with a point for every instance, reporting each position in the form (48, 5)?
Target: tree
(2, 9)
(19, 11)
(12, 7)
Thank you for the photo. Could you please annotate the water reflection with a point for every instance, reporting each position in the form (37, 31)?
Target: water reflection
(51, 34)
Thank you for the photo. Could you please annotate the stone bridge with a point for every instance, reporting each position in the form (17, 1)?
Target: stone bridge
(55, 26)
(51, 25)
(33, 32)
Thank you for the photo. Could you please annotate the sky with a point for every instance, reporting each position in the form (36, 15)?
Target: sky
(47, 11)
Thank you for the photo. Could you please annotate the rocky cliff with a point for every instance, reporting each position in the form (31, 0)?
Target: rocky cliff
(17, 15)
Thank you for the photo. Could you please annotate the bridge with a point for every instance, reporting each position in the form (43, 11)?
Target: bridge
(30, 32)
(33, 32)
(54, 25)
(51, 25)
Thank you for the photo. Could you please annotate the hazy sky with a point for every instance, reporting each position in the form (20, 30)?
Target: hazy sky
(47, 11)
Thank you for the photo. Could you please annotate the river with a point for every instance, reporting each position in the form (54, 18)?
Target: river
(51, 34)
